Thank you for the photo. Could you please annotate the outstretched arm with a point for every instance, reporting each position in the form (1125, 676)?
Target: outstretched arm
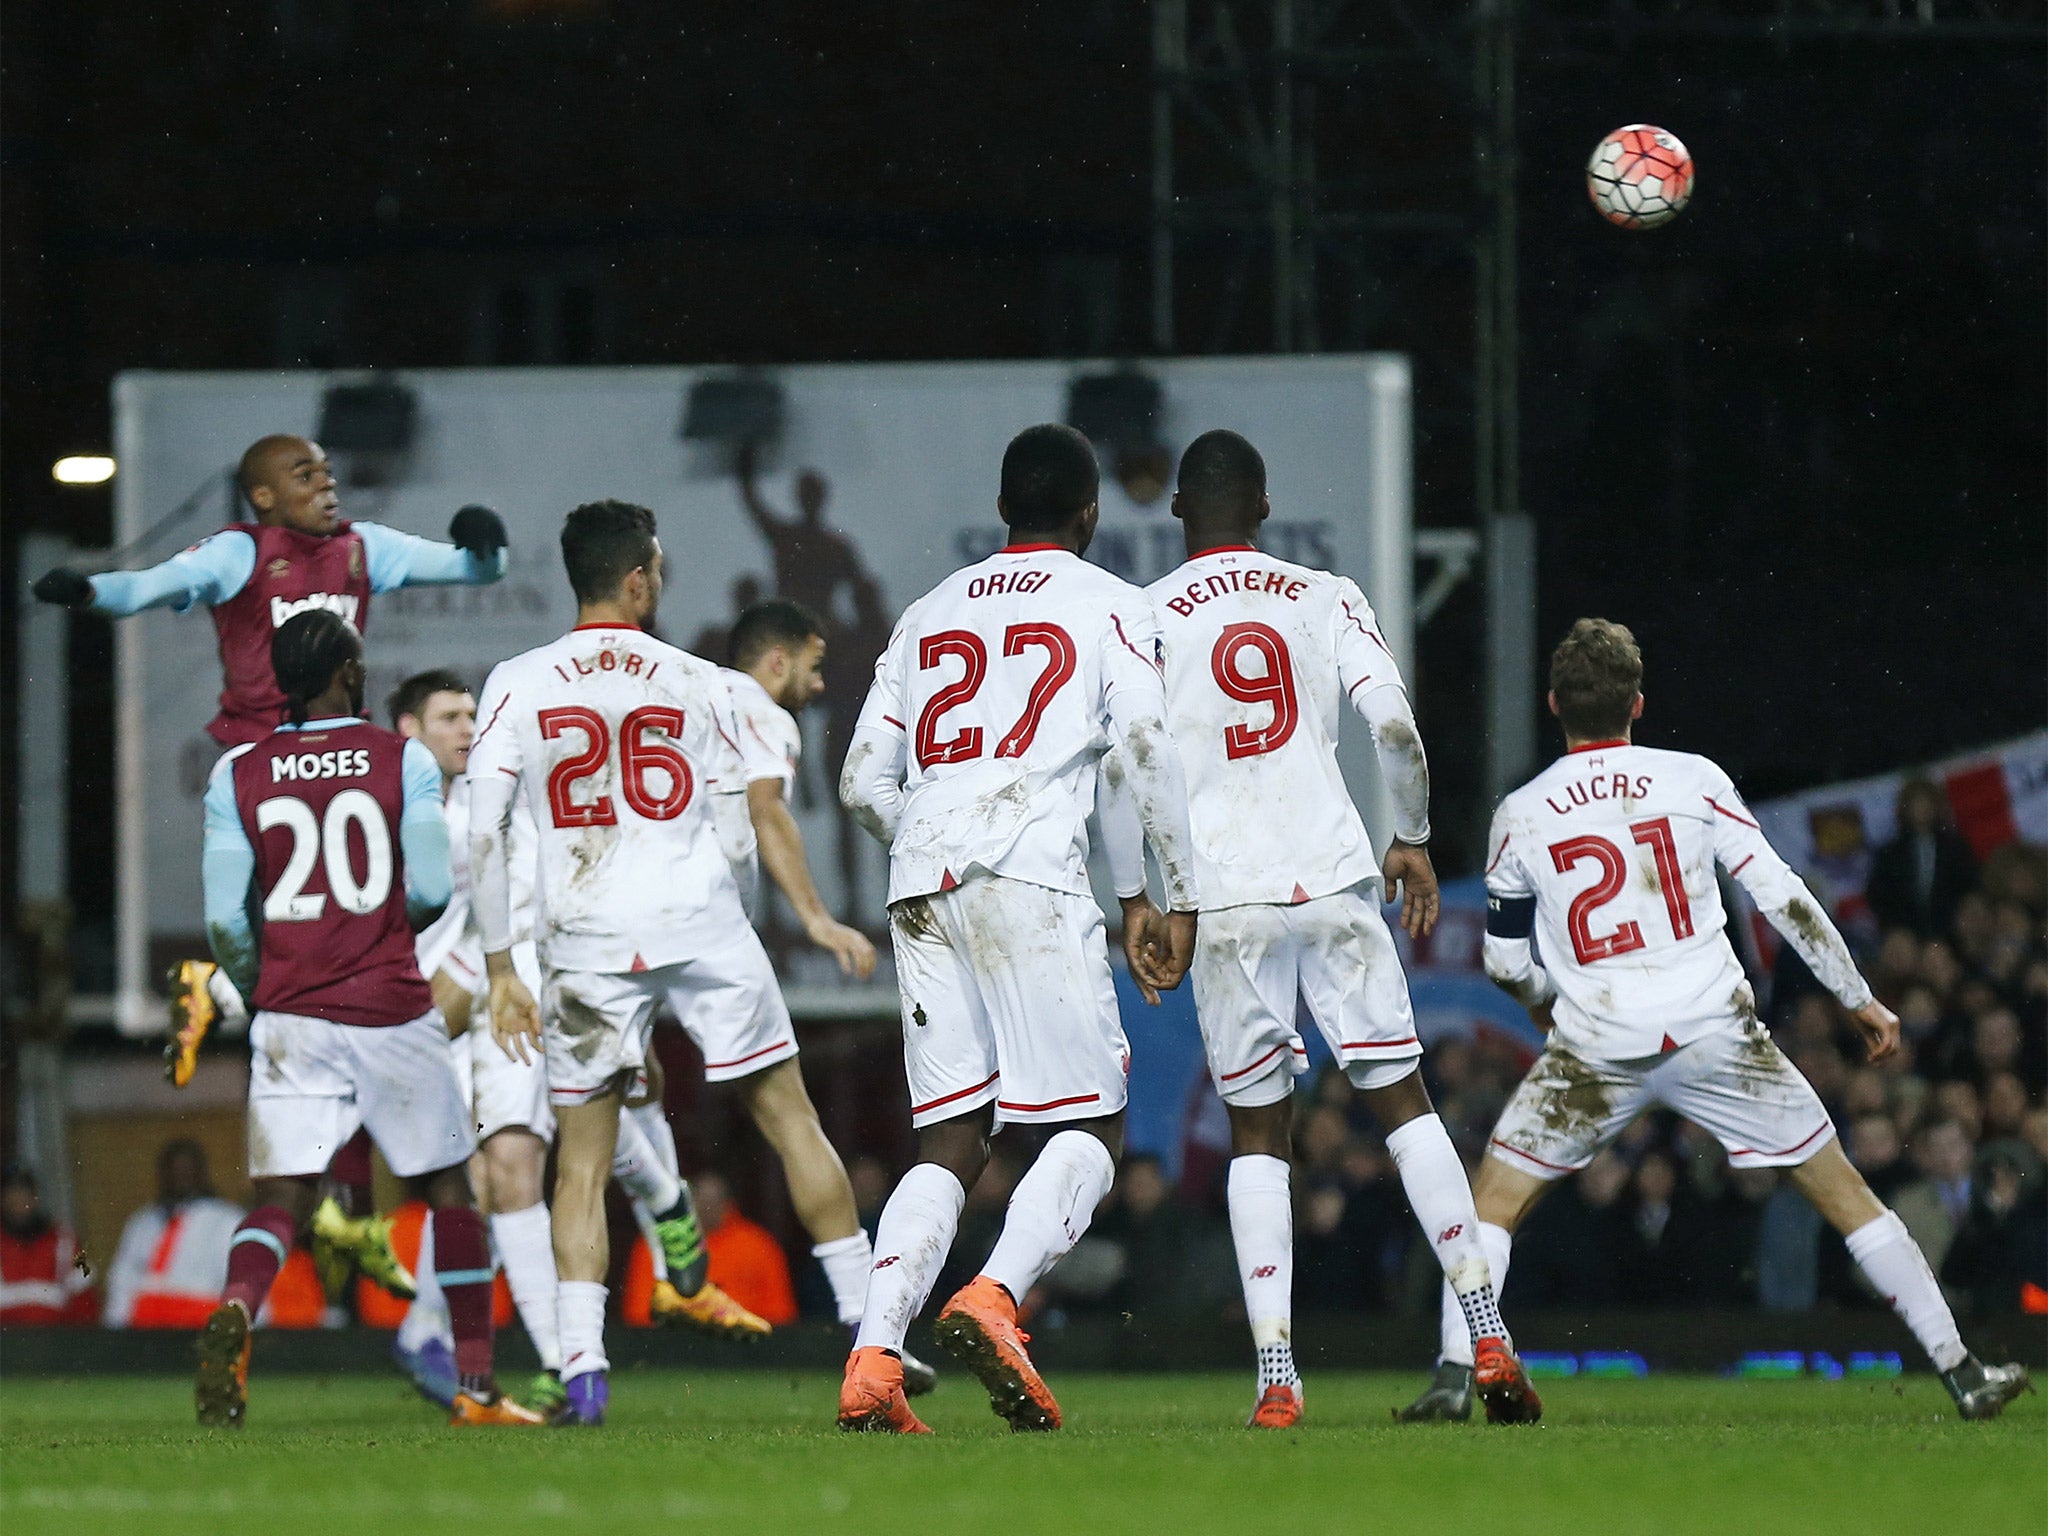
(211, 571)
(750, 495)
(407, 560)
(1793, 909)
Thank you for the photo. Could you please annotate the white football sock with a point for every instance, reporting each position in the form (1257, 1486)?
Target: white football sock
(1885, 1251)
(427, 1317)
(526, 1247)
(911, 1240)
(846, 1261)
(641, 1170)
(1262, 1228)
(1441, 1197)
(643, 1218)
(1050, 1209)
(579, 1305)
(1456, 1334)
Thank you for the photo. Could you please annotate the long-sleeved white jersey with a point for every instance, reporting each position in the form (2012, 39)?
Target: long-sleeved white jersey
(1608, 856)
(1261, 655)
(618, 741)
(771, 746)
(999, 691)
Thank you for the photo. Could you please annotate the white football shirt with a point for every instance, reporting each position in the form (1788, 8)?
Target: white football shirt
(1261, 656)
(999, 690)
(770, 740)
(618, 741)
(1616, 845)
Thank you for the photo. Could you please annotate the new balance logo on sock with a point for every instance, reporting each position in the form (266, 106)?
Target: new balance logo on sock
(894, 1258)
(1265, 1271)
(1450, 1232)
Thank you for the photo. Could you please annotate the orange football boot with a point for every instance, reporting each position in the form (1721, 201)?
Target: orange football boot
(710, 1309)
(1503, 1384)
(221, 1390)
(471, 1409)
(979, 1329)
(1279, 1408)
(871, 1397)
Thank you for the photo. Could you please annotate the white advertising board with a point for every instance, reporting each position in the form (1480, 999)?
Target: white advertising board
(883, 479)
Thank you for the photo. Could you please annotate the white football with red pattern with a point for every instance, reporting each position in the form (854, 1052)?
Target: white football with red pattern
(1639, 177)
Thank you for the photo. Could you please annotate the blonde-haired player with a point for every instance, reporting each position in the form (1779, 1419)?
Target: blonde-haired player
(1607, 858)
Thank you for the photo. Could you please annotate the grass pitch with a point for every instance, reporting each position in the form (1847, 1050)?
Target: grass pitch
(757, 1451)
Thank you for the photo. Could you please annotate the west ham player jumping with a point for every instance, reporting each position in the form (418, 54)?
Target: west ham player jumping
(1261, 657)
(1608, 855)
(975, 761)
(299, 553)
(331, 830)
(619, 742)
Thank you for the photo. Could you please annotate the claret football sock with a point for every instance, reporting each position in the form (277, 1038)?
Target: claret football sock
(462, 1263)
(348, 1171)
(1262, 1230)
(911, 1242)
(526, 1245)
(255, 1255)
(1886, 1253)
(1050, 1210)
(846, 1262)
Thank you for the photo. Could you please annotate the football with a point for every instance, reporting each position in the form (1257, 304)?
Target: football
(1639, 177)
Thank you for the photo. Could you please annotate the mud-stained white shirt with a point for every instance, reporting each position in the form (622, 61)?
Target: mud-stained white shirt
(999, 691)
(618, 742)
(1608, 856)
(770, 740)
(1261, 657)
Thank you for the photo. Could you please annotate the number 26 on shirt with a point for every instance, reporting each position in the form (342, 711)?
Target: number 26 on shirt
(647, 739)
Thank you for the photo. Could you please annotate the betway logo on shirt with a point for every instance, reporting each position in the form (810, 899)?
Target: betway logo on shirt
(342, 603)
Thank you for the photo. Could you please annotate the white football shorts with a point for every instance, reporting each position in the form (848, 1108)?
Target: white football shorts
(1253, 962)
(1007, 998)
(504, 1093)
(1734, 1083)
(312, 1082)
(596, 1024)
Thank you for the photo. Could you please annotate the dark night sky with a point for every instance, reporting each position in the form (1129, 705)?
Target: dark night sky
(1795, 439)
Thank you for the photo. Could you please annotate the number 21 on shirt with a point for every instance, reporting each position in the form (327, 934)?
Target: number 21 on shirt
(1628, 936)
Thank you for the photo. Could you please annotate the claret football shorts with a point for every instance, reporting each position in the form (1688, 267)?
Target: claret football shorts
(312, 1082)
(1007, 999)
(1734, 1083)
(1253, 962)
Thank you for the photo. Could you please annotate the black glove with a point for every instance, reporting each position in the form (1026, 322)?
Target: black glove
(64, 587)
(478, 530)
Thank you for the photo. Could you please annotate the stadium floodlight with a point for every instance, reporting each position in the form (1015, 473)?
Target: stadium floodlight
(739, 408)
(368, 425)
(83, 469)
(376, 416)
(1120, 412)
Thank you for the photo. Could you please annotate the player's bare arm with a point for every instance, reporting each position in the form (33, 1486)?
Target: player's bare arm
(781, 843)
(1879, 1027)
(453, 999)
(515, 1016)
